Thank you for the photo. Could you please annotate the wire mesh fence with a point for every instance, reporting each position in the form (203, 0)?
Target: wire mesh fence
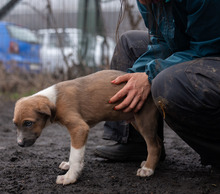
(62, 39)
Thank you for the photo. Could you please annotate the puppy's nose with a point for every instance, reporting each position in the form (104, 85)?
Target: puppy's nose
(26, 142)
(21, 143)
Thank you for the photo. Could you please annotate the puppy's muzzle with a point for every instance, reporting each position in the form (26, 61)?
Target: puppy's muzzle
(26, 138)
(26, 142)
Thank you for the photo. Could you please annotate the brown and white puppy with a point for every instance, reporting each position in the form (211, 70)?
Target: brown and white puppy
(79, 104)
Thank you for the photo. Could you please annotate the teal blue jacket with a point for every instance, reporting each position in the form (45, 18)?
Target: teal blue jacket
(184, 30)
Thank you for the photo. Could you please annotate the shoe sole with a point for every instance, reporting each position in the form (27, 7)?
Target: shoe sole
(134, 157)
(119, 158)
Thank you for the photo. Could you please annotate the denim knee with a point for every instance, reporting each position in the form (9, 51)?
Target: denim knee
(160, 87)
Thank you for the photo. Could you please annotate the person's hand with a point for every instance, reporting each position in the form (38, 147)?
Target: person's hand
(135, 91)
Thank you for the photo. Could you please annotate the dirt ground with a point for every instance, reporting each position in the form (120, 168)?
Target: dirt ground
(34, 169)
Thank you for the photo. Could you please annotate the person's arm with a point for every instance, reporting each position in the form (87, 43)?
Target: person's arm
(140, 77)
(204, 41)
(155, 66)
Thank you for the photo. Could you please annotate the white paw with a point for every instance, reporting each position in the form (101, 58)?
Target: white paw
(64, 165)
(65, 179)
(143, 172)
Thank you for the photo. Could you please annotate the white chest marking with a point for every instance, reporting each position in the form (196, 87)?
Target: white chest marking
(50, 93)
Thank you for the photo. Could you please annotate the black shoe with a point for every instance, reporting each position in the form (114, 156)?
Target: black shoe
(131, 151)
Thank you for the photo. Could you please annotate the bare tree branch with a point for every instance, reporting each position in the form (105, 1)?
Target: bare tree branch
(5, 9)
(35, 9)
(50, 11)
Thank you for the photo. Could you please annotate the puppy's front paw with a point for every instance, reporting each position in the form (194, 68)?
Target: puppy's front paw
(143, 172)
(64, 165)
(65, 180)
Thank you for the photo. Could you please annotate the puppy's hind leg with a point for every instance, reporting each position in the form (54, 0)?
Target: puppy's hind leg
(146, 122)
(148, 166)
(79, 136)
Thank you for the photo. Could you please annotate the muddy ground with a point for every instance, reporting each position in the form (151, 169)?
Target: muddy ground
(34, 169)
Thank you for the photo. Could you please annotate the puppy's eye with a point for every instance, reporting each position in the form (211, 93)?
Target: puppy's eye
(28, 123)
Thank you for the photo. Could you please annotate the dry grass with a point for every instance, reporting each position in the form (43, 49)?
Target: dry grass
(17, 84)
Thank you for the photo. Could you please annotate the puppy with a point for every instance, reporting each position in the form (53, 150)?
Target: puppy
(78, 105)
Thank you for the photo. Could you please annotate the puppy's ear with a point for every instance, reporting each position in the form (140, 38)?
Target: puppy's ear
(47, 109)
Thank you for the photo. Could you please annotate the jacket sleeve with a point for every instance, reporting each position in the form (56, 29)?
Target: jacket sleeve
(152, 65)
(203, 37)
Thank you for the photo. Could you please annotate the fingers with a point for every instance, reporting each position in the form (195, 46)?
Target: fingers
(119, 95)
(141, 102)
(132, 105)
(139, 106)
(121, 79)
(134, 92)
(133, 101)
(124, 91)
(126, 102)
(136, 104)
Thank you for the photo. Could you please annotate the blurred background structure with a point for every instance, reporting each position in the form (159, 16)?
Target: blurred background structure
(63, 38)
(35, 15)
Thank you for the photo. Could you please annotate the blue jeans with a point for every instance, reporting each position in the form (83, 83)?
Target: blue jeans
(188, 95)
